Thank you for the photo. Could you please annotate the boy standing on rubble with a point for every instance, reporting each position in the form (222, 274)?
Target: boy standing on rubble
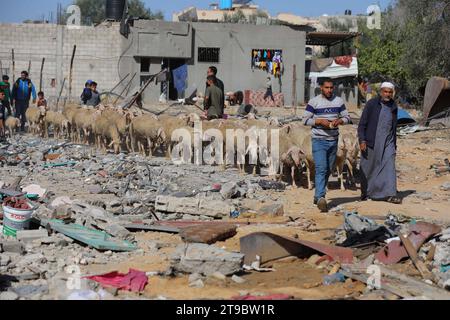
(87, 93)
(94, 100)
(41, 102)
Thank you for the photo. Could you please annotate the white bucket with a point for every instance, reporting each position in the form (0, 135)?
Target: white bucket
(16, 219)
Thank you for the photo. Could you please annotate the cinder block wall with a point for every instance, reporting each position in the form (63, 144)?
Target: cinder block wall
(97, 55)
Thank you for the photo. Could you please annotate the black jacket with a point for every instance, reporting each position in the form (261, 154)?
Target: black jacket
(367, 128)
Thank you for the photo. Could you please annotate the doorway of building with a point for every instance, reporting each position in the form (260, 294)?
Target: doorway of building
(172, 64)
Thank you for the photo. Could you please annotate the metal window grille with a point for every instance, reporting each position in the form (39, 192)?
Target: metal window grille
(209, 55)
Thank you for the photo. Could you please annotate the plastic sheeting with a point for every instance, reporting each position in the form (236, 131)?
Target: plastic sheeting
(337, 71)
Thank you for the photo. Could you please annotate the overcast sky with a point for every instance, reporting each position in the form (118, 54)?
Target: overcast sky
(18, 11)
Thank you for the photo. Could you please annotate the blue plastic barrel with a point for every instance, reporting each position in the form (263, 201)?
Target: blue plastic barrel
(225, 4)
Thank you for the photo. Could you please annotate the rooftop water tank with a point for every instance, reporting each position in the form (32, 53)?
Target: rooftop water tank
(115, 9)
(226, 4)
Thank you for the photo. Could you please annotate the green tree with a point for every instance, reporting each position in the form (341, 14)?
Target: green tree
(237, 17)
(411, 47)
(259, 14)
(136, 8)
(380, 52)
(93, 11)
(426, 39)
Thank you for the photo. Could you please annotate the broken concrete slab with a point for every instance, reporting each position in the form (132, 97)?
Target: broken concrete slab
(31, 258)
(34, 189)
(29, 291)
(205, 259)
(423, 195)
(12, 246)
(218, 275)
(193, 206)
(9, 295)
(269, 246)
(59, 201)
(194, 277)
(229, 190)
(95, 189)
(118, 231)
(238, 279)
(30, 235)
(197, 284)
(273, 210)
(209, 233)
(5, 259)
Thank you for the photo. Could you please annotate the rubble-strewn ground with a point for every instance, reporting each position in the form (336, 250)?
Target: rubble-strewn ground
(117, 185)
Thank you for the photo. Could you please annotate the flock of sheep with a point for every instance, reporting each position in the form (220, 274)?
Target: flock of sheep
(132, 130)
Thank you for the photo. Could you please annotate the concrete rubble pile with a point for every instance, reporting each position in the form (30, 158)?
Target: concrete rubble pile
(106, 192)
(87, 201)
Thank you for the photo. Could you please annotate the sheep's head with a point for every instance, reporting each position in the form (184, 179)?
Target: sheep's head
(17, 122)
(42, 111)
(298, 156)
(274, 122)
(192, 118)
(251, 116)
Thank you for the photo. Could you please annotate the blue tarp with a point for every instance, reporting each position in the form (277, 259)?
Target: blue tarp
(179, 78)
(404, 117)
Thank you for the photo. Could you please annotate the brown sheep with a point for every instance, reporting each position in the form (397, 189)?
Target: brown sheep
(12, 124)
(170, 124)
(105, 131)
(59, 123)
(291, 156)
(35, 118)
(83, 121)
(69, 112)
(146, 129)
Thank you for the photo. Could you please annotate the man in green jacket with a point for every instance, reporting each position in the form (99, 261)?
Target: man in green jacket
(214, 102)
(6, 88)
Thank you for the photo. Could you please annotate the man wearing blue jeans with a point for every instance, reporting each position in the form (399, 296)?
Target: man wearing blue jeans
(325, 113)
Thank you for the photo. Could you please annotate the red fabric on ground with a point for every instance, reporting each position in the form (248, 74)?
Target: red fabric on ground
(134, 280)
(268, 297)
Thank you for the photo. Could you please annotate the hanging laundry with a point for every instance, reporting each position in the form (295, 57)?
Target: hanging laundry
(180, 77)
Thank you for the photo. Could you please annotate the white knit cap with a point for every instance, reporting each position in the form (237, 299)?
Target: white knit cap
(388, 85)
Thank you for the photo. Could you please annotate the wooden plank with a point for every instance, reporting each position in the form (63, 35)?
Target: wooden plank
(71, 70)
(397, 283)
(420, 265)
(41, 74)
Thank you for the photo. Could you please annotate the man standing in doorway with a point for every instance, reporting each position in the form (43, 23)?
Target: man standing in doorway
(214, 102)
(23, 88)
(212, 71)
(325, 113)
(377, 132)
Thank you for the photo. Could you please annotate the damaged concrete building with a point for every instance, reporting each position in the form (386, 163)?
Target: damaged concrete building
(105, 55)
